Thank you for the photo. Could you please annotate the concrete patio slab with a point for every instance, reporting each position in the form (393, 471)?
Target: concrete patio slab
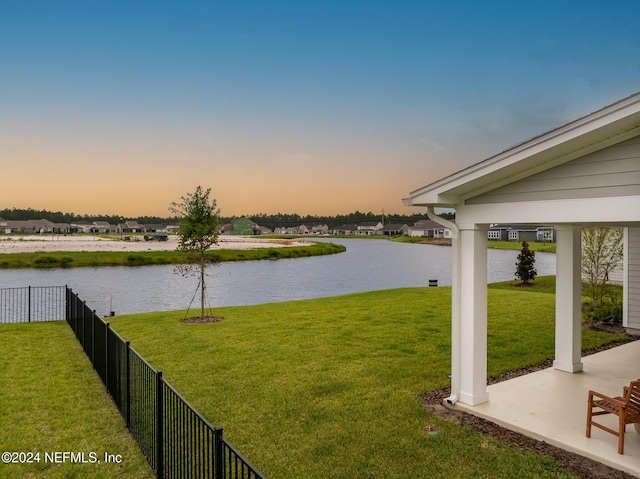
(551, 406)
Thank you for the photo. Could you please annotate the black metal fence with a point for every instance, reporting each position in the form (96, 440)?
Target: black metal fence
(32, 303)
(177, 440)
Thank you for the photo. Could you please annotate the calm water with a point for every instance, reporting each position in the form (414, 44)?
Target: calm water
(367, 265)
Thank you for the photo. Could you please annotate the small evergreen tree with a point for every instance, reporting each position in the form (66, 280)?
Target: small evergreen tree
(525, 270)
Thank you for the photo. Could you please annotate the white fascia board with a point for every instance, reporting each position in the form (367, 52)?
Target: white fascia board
(622, 210)
(433, 199)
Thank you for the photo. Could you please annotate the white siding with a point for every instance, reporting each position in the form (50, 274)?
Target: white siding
(612, 171)
(632, 273)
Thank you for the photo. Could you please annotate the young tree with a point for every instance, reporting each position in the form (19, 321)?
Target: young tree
(602, 250)
(199, 219)
(525, 270)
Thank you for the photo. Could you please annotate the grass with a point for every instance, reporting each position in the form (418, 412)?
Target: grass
(329, 388)
(517, 245)
(511, 245)
(51, 400)
(124, 258)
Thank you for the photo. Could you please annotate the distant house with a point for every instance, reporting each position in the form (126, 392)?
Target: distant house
(244, 226)
(130, 227)
(394, 230)
(155, 228)
(319, 230)
(546, 234)
(498, 232)
(430, 229)
(304, 230)
(81, 226)
(32, 226)
(368, 227)
(345, 230)
(60, 228)
(101, 227)
(520, 233)
(29, 226)
(298, 230)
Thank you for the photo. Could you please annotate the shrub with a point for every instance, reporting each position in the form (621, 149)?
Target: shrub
(136, 259)
(609, 311)
(45, 260)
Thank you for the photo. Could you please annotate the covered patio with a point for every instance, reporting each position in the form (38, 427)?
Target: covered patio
(584, 173)
(551, 406)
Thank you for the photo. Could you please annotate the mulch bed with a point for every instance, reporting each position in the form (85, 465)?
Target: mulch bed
(206, 319)
(575, 464)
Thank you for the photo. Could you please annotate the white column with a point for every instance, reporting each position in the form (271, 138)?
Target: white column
(568, 296)
(625, 279)
(631, 287)
(473, 314)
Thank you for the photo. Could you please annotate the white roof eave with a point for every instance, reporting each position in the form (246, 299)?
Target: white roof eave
(590, 133)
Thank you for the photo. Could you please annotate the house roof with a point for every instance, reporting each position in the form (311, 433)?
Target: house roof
(426, 225)
(609, 125)
(347, 227)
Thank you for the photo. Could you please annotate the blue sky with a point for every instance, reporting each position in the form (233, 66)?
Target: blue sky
(291, 106)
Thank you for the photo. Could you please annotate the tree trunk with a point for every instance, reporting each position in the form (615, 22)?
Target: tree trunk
(202, 287)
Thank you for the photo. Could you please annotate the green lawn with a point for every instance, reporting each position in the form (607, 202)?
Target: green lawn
(517, 245)
(329, 388)
(51, 400)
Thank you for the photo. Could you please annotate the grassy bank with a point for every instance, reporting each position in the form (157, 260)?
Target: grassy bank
(124, 258)
(516, 245)
(52, 400)
(329, 388)
(512, 245)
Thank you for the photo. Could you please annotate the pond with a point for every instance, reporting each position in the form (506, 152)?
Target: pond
(367, 265)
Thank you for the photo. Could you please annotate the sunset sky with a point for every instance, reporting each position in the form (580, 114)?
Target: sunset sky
(322, 107)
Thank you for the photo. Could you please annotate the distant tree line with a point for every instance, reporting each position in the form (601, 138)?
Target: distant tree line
(59, 217)
(286, 220)
(270, 221)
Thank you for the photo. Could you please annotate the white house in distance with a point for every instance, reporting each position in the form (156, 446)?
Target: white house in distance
(584, 173)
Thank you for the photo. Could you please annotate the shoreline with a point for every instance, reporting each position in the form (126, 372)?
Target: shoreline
(12, 244)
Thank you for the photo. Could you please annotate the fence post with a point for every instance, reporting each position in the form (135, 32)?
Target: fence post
(128, 372)
(93, 338)
(159, 425)
(66, 305)
(29, 305)
(106, 357)
(219, 454)
(75, 307)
